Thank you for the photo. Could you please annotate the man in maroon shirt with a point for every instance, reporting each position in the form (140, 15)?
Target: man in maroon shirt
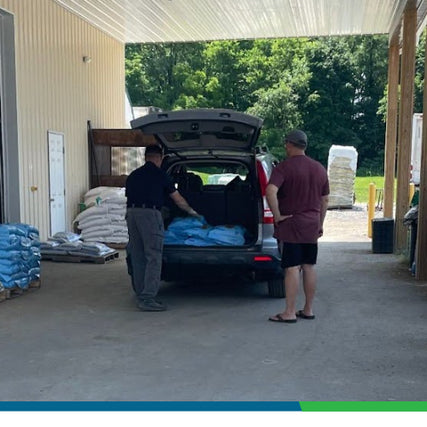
(297, 194)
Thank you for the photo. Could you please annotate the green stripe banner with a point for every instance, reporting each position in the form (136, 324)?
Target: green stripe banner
(363, 406)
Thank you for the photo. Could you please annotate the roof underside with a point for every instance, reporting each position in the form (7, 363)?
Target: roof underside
(153, 21)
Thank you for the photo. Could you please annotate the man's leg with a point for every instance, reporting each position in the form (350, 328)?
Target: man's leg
(309, 281)
(291, 255)
(292, 280)
(153, 236)
(136, 252)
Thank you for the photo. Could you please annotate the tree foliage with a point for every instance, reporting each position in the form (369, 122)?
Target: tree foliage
(333, 88)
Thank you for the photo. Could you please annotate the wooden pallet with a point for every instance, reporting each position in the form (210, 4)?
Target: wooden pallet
(3, 295)
(16, 292)
(116, 245)
(81, 258)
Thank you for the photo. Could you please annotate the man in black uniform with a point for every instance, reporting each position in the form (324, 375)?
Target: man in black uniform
(145, 190)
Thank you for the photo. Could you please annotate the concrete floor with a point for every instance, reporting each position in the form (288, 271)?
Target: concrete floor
(80, 337)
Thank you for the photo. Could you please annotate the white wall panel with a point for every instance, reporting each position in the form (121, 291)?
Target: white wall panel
(57, 91)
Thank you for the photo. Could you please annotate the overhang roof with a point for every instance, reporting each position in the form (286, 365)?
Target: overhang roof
(152, 21)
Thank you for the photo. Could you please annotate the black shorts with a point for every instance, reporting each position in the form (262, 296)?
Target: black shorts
(294, 254)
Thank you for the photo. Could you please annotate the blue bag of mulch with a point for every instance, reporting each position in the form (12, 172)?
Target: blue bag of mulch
(9, 229)
(198, 232)
(172, 239)
(35, 242)
(26, 230)
(26, 254)
(196, 241)
(22, 283)
(9, 280)
(10, 268)
(25, 242)
(11, 255)
(35, 250)
(229, 236)
(13, 242)
(34, 273)
(181, 225)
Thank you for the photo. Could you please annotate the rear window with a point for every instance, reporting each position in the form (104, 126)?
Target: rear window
(217, 136)
(210, 174)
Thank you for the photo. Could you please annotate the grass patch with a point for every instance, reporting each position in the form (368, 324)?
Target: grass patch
(361, 187)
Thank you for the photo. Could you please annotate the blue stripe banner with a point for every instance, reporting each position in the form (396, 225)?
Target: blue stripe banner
(149, 406)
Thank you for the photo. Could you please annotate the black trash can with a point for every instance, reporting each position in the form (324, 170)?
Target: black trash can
(382, 235)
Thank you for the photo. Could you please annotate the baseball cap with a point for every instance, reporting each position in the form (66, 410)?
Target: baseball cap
(297, 138)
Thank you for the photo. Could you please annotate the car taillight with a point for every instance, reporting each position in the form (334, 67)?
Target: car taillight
(263, 181)
(262, 258)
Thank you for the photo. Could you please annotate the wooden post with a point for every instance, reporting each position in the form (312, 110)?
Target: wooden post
(391, 126)
(421, 249)
(405, 124)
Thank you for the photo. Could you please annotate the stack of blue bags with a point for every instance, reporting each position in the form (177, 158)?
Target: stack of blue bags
(196, 232)
(19, 255)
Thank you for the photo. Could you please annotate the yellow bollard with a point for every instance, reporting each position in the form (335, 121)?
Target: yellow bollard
(371, 207)
(411, 191)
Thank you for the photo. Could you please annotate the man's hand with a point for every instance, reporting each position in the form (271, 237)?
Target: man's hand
(192, 212)
(281, 218)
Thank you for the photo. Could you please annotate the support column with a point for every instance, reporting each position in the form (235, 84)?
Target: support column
(405, 124)
(421, 250)
(391, 125)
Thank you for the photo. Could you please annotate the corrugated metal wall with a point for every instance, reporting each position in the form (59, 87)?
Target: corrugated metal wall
(57, 91)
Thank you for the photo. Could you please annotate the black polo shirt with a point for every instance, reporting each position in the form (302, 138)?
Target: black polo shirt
(148, 185)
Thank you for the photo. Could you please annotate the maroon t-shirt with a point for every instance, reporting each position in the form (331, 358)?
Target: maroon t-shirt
(302, 182)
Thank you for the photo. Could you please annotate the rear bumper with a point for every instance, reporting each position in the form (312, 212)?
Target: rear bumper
(182, 265)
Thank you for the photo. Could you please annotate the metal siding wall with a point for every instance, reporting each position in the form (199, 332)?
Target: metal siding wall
(57, 91)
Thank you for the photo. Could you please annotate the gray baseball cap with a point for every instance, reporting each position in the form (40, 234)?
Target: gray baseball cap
(297, 138)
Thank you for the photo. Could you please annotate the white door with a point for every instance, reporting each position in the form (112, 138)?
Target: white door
(56, 182)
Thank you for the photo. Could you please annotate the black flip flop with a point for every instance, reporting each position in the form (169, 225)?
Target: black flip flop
(278, 318)
(302, 315)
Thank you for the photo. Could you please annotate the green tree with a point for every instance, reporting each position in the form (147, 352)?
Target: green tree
(419, 73)
(155, 72)
(330, 87)
(328, 108)
(370, 55)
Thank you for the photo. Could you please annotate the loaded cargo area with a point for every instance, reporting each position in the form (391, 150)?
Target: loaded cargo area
(224, 194)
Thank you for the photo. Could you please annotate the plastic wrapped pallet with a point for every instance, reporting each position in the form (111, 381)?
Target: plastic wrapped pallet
(342, 166)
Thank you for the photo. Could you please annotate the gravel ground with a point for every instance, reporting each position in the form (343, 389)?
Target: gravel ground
(344, 225)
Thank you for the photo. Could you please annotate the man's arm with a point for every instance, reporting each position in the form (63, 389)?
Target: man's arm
(271, 194)
(323, 208)
(182, 203)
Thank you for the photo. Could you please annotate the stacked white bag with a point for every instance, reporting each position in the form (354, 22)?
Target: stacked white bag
(342, 165)
(104, 219)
